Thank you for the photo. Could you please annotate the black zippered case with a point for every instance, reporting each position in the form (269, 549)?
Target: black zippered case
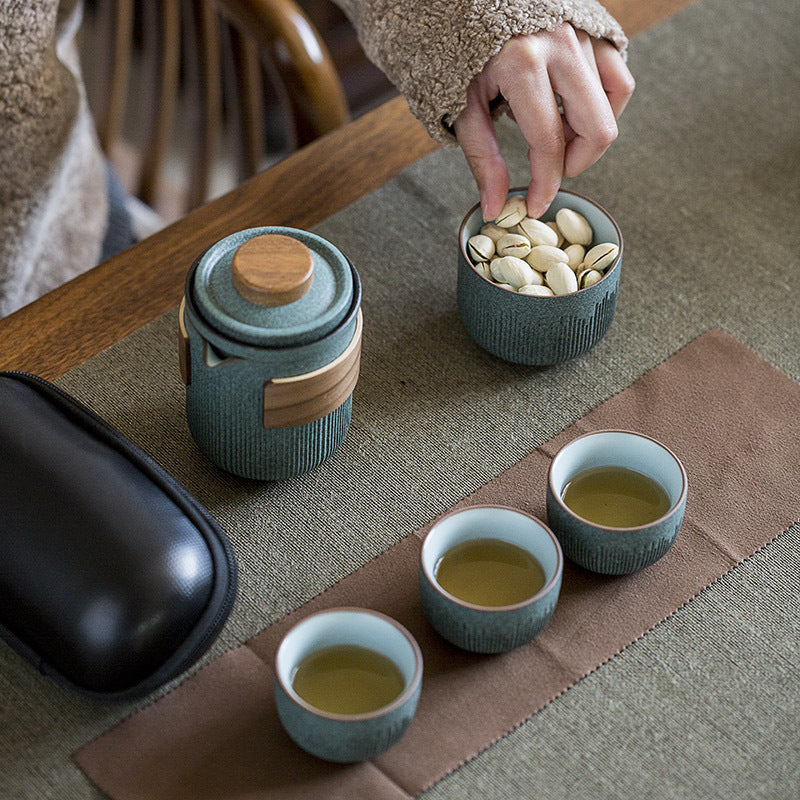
(113, 578)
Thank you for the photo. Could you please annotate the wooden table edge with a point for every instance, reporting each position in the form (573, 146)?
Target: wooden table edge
(98, 308)
(89, 313)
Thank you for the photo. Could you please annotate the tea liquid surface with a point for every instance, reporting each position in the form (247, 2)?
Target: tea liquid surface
(489, 572)
(616, 496)
(348, 679)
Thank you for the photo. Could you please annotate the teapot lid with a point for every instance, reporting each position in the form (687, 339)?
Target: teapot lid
(273, 286)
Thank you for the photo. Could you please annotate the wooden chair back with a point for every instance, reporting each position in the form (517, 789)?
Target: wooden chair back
(200, 82)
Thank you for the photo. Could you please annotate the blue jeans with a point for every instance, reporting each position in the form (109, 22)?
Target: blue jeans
(119, 234)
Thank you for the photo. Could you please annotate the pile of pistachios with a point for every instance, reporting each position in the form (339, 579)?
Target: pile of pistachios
(532, 257)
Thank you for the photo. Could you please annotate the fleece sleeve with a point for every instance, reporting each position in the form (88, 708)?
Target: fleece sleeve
(431, 49)
(53, 201)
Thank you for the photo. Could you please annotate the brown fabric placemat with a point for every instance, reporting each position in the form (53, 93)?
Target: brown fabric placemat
(734, 421)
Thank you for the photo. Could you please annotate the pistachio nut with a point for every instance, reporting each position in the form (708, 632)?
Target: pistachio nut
(512, 270)
(601, 256)
(482, 268)
(558, 233)
(513, 244)
(537, 280)
(513, 212)
(575, 254)
(561, 279)
(589, 277)
(541, 259)
(537, 232)
(494, 232)
(574, 226)
(535, 290)
(544, 256)
(480, 247)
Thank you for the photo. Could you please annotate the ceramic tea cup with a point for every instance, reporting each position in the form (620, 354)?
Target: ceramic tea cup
(347, 737)
(532, 330)
(604, 548)
(489, 628)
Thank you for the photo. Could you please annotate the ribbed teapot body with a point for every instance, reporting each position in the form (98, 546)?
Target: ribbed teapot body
(265, 401)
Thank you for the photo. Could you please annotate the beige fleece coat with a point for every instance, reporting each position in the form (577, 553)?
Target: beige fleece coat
(53, 201)
(431, 49)
(53, 196)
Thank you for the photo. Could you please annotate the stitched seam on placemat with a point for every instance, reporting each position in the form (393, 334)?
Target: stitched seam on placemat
(416, 532)
(153, 700)
(612, 656)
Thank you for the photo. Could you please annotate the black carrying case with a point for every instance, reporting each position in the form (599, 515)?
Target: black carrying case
(113, 578)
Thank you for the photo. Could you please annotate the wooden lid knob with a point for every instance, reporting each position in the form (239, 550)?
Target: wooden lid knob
(272, 270)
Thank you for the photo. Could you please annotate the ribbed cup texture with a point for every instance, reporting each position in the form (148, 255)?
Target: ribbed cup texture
(343, 740)
(356, 746)
(535, 330)
(235, 439)
(612, 551)
(612, 561)
(488, 639)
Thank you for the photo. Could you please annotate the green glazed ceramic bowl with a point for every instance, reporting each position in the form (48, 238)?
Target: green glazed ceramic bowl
(347, 738)
(489, 629)
(539, 331)
(600, 548)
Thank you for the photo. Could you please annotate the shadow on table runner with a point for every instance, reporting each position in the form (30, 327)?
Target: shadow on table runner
(735, 422)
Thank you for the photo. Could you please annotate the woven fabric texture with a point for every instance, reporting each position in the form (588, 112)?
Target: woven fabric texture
(704, 184)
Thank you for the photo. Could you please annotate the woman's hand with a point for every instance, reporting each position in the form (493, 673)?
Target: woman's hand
(594, 85)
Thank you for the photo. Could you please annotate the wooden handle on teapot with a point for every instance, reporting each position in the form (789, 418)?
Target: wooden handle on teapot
(309, 397)
(183, 345)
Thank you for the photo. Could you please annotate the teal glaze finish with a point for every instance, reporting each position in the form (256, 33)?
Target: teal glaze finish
(613, 551)
(307, 320)
(607, 550)
(487, 631)
(347, 738)
(481, 629)
(340, 740)
(224, 399)
(225, 415)
(278, 361)
(539, 331)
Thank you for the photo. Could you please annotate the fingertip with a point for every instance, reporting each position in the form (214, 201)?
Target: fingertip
(540, 197)
(492, 203)
(537, 211)
(493, 180)
(486, 207)
(476, 136)
(538, 202)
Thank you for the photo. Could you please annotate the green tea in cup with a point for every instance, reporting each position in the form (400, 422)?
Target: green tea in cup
(489, 572)
(347, 683)
(348, 679)
(616, 497)
(489, 577)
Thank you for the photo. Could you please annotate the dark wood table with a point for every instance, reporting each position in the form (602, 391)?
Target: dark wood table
(76, 321)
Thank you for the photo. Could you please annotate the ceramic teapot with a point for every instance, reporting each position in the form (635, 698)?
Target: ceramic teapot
(269, 348)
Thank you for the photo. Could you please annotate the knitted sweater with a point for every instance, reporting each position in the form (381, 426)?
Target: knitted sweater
(53, 192)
